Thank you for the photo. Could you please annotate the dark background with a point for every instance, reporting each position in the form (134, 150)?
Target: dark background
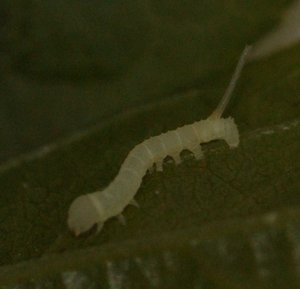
(66, 65)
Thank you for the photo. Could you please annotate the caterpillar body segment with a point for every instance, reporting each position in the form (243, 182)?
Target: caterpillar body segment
(95, 208)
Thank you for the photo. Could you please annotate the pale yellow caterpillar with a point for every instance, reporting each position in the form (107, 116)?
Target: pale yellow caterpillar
(95, 208)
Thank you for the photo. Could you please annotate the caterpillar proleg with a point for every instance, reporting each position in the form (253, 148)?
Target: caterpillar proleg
(95, 208)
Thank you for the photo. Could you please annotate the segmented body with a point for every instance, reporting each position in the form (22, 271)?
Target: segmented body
(102, 205)
(95, 208)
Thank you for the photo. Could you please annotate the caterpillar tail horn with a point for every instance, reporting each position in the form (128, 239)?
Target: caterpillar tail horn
(217, 113)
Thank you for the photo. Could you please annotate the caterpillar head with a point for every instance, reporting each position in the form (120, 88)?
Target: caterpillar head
(83, 215)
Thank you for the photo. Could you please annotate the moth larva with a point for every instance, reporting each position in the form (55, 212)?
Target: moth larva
(95, 208)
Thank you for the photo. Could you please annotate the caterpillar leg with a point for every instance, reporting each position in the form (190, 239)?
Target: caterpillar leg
(99, 227)
(159, 166)
(176, 158)
(151, 170)
(121, 219)
(133, 202)
(197, 151)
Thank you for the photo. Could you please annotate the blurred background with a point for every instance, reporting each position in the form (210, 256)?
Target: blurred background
(66, 65)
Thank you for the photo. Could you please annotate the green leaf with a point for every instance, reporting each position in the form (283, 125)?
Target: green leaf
(196, 197)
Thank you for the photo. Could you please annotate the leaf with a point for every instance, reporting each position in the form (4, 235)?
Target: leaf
(85, 61)
(195, 200)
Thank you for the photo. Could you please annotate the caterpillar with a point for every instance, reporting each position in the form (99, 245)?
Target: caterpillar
(95, 208)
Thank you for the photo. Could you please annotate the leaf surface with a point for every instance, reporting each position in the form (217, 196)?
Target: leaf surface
(260, 176)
